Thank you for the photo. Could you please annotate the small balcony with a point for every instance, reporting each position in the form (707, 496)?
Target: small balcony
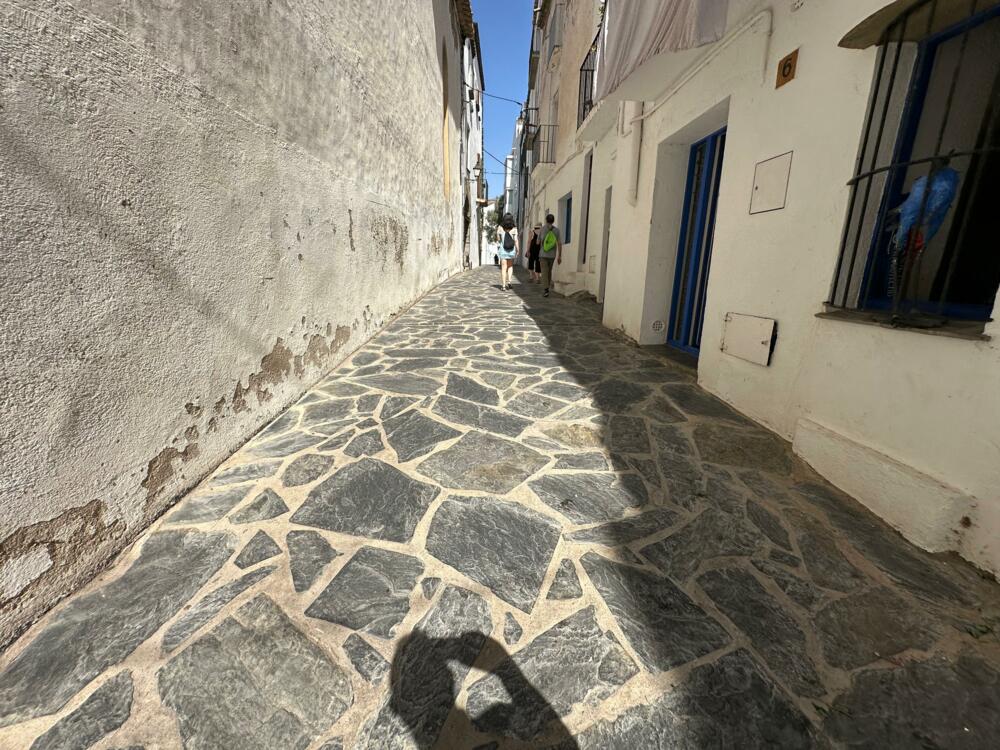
(588, 82)
(530, 125)
(536, 53)
(543, 147)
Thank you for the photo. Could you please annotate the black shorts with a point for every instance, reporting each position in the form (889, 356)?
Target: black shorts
(534, 264)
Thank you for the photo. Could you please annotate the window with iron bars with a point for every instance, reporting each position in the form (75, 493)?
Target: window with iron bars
(544, 145)
(919, 248)
(587, 71)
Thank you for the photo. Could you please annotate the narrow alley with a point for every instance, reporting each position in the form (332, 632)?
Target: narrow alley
(288, 465)
(547, 536)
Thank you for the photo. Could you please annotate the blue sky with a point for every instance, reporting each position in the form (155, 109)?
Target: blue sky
(504, 35)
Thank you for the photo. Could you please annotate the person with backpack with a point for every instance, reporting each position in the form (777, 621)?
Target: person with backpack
(551, 251)
(534, 247)
(507, 235)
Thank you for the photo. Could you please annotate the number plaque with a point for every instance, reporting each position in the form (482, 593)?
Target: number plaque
(786, 69)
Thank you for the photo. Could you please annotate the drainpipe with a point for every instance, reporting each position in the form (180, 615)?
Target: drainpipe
(633, 147)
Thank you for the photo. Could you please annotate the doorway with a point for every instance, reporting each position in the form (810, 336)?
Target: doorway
(588, 173)
(694, 251)
(605, 242)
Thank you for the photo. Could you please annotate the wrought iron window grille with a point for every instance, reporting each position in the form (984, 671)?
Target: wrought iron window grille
(587, 82)
(544, 145)
(915, 248)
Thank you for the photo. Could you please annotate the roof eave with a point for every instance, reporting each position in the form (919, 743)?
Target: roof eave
(465, 23)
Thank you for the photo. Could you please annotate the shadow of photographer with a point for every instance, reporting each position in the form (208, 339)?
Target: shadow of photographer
(426, 676)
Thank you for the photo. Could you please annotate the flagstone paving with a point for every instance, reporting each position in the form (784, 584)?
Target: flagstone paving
(501, 525)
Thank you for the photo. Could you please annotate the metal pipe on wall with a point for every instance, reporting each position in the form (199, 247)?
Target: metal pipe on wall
(633, 147)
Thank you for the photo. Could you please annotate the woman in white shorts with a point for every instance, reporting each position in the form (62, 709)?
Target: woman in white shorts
(509, 249)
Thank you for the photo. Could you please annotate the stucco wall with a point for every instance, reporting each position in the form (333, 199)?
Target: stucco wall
(203, 206)
(906, 422)
(923, 401)
(560, 75)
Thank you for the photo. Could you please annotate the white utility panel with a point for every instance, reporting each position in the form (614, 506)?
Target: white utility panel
(749, 337)
(770, 183)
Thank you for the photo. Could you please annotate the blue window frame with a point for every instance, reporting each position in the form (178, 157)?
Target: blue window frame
(930, 258)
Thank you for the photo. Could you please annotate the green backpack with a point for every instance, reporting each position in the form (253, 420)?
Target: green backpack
(549, 243)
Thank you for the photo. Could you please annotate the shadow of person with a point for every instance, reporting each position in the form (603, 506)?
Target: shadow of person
(426, 676)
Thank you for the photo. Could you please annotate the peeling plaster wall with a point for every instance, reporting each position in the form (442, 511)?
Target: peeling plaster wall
(203, 207)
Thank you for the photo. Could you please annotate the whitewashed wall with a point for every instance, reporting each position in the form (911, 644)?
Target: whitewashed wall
(473, 146)
(906, 422)
(203, 207)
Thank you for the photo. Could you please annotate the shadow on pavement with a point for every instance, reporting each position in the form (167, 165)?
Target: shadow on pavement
(705, 531)
(424, 689)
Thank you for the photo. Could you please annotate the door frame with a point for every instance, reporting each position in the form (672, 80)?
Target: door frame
(588, 174)
(602, 281)
(705, 204)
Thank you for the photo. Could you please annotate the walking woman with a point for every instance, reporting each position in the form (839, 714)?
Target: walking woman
(509, 249)
(534, 247)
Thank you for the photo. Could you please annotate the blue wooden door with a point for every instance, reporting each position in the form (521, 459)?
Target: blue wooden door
(694, 251)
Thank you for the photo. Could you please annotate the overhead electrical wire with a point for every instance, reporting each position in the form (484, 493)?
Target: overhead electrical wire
(500, 162)
(494, 96)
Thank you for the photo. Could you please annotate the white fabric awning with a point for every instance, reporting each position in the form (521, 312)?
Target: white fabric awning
(635, 30)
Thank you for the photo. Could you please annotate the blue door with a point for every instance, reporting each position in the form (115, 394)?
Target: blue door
(694, 251)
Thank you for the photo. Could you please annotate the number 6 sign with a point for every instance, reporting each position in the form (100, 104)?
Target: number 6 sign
(786, 69)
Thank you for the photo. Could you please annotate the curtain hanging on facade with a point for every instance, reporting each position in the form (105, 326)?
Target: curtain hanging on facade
(635, 30)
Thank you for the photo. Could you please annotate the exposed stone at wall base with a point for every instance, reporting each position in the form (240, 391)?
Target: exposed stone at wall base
(78, 544)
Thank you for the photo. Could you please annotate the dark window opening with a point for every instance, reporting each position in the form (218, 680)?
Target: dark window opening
(917, 247)
(543, 144)
(588, 80)
(588, 172)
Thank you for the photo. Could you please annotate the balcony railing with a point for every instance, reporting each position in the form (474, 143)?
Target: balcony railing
(587, 82)
(530, 124)
(536, 52)
(543, 149)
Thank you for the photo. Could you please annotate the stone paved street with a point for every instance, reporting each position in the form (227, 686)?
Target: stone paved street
(500, 525)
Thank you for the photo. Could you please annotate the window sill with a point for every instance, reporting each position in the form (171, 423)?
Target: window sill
(970, 330)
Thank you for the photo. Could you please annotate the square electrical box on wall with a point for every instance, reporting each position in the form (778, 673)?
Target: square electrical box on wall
(750, 337)
(770, 184)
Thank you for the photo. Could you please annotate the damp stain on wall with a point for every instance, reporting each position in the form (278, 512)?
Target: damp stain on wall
(437, 244)
(390, 236)
(278, 366)
(61, 553)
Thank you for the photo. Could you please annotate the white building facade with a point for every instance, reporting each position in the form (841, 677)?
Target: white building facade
(474, 84)
(755, 201)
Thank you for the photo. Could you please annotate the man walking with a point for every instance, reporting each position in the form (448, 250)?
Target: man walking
(551, 250)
